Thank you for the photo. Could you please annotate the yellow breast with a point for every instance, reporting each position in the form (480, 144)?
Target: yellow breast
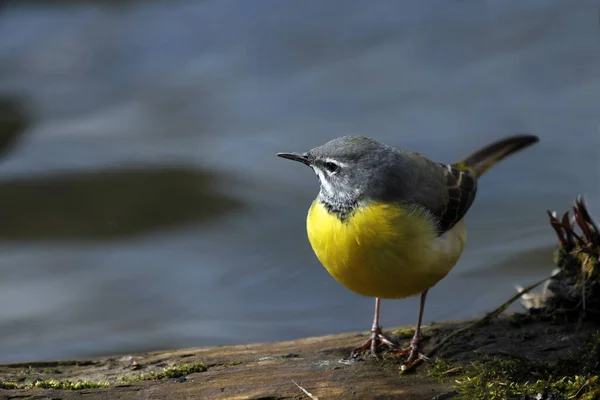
(382, 250)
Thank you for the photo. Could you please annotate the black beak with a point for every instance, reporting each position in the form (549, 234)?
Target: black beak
(295, 157)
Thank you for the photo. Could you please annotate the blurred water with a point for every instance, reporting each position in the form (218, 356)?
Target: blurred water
(215, 88)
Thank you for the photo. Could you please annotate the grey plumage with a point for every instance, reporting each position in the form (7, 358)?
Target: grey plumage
(380, 173)
(357, 170)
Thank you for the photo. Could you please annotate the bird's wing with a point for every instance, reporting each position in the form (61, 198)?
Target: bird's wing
(462, 188)
(446, 192)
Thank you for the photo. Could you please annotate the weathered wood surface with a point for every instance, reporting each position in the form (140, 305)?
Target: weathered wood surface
(267, 371)
(257, 371)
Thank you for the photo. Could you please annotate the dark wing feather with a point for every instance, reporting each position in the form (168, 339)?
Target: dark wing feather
(462, 187)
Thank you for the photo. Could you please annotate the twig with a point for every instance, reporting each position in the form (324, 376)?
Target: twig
(581, 388)
(478, 323)
(306, 392)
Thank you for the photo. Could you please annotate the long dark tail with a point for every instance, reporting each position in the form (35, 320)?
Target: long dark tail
(482, 160)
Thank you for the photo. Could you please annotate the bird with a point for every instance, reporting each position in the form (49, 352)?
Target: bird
(388, 223)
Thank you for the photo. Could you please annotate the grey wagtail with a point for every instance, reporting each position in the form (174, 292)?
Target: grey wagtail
(388, 223)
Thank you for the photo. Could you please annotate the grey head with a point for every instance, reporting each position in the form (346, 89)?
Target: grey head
(357, 169)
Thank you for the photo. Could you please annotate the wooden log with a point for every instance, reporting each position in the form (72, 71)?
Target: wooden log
(311, 368)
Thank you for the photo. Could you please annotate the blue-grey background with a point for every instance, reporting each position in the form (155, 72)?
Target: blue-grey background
(143, 208)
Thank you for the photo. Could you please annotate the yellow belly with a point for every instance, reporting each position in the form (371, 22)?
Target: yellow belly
(383, 251)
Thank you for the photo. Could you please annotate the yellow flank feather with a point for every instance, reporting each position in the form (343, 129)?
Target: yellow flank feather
(382, 250)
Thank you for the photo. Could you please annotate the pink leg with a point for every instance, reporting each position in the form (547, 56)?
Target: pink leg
(377, 337)
(413, 349)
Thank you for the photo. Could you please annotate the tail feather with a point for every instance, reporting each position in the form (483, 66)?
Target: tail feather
(482, 160)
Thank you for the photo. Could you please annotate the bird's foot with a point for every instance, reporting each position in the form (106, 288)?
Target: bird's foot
(413, 354)
(376, 339)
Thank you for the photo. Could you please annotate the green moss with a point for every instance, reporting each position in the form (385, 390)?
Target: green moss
(235, 363)
(496, 379)
(405, 333)
(165, 373)
(68, 385)
(172, 372)
(483, 387)
(9, 385)
(54, 384)
(513, 377)
(499, 379)
(441, 369)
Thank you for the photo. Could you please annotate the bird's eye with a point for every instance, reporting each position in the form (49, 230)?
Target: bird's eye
(331, 167)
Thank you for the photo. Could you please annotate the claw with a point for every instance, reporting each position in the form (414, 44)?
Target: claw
(413, 356)
(376, 338)
(413, 353)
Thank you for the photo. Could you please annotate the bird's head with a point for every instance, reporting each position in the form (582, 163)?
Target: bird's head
(347, 167)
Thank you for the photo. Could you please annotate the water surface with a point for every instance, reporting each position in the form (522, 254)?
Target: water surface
(144, 207)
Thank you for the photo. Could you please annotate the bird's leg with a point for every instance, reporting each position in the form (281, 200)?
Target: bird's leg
(413, 349)
(376, 337)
